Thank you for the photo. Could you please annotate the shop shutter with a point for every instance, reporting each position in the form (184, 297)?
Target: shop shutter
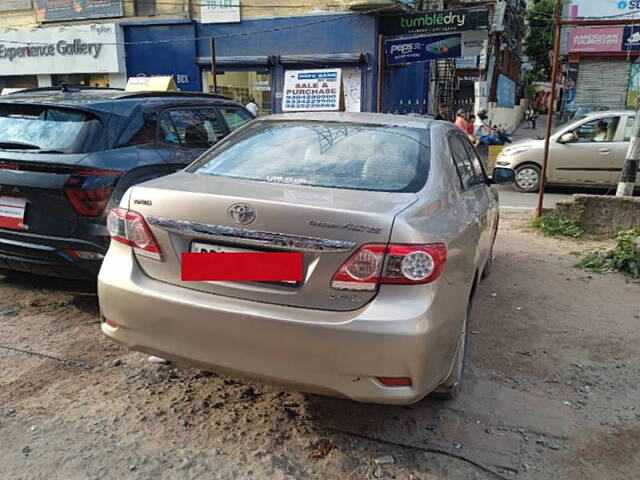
(603, 82)
(15, 5)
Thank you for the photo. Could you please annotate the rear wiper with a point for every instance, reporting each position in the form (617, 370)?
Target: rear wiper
(19, 146)
(51, 151)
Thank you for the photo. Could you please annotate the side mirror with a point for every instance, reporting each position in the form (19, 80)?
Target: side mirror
(503, 176)
(566, 138)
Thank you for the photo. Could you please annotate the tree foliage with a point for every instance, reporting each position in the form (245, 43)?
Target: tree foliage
(539, 40)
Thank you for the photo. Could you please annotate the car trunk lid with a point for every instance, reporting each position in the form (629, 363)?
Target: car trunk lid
(326, 225)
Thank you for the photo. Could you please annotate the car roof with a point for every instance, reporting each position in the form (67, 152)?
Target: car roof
(93, 96)
(352, 117)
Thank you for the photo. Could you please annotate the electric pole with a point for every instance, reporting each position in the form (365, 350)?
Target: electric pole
(630, 169)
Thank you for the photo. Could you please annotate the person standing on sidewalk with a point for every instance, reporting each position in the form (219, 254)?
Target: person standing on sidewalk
(443, 112)
(531, 116)
(252, 106)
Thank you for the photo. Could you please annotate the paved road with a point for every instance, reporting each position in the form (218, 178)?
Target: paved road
(510, 199)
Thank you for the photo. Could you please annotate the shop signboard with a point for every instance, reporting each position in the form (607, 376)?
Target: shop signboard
(443, 21)
(467, 63)
(506, 92)
(61, 10)
(93, 48)
(605, 8)
(595, 39)
(151, 84)
(634, 86)
(220, 11)
(312, 90)
(631, 39)
(473, 43)
(422, 49)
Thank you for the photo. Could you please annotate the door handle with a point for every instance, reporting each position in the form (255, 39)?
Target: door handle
(604, 151)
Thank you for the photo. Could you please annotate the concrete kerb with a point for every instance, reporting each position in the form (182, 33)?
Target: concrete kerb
(601, 215)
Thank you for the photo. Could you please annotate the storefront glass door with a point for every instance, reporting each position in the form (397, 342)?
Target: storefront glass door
(240, 86)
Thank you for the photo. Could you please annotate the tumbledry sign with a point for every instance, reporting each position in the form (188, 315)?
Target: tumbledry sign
(444, 21)
(57, 10)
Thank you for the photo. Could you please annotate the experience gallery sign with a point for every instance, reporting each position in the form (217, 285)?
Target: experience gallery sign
(79, 49)
(443, 21)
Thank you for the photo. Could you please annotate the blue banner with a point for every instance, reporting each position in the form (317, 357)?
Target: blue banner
(423, 49)
(506, 92)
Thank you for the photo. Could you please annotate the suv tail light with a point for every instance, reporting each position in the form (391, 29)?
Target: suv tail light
(89, 190)
(129, 227)
(376, 264)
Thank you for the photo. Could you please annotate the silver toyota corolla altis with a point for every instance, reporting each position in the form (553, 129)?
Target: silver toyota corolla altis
(395, 220)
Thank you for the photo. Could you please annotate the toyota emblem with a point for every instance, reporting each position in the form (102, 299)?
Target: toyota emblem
(242, 213)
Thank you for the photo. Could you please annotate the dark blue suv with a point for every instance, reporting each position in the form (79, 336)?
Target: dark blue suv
(67, 156)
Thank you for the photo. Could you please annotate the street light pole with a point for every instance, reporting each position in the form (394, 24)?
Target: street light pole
(554, 81)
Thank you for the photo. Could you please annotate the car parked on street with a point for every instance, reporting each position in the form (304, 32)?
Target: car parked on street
(67, 156)
(394, 217)
(587, 153)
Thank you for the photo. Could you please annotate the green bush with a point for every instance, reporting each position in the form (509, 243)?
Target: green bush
(622, 258)
(552, 225)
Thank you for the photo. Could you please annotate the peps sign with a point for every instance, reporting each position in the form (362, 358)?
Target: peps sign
(422, 49)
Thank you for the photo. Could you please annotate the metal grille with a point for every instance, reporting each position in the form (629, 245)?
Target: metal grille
(603, 82)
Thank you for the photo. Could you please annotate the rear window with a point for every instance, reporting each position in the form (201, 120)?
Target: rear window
(43, 128)
(325, 154)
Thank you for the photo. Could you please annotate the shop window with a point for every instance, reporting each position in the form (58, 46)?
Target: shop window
(18, 81)
(145, 7)
(235, 117)
(81, 80)
(241, 86)
(190, 128)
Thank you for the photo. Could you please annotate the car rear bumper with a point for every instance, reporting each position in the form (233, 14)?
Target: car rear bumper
(45, 255)
(404, 332)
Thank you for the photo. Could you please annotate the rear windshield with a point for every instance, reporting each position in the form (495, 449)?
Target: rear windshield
(43, 128)
(325, 154)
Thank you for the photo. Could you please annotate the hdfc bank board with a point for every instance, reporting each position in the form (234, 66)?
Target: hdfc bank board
(312, 90)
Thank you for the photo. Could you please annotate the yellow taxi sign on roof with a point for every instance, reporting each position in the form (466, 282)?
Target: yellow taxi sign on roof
(151, 84)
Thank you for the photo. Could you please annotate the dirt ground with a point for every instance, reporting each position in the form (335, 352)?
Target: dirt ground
(551, 392)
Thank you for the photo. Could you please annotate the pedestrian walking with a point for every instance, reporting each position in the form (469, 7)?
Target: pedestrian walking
(252, 106)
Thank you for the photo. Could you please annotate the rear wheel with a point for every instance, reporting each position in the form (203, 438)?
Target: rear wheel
(450, 387)
(528, 178)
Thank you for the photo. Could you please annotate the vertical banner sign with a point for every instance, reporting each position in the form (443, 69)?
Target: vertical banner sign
(57, 10)
(422, 49)
(312, 90)
(506, 92)
(352, 89)
(572, 81)
(634, 86)
(219, 11)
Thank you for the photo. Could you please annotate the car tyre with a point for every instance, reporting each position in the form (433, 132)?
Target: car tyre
(528, 178)
(450, 387)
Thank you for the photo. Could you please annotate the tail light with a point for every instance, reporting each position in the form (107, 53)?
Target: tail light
(89, 190)
(129, 227)
(376, 264)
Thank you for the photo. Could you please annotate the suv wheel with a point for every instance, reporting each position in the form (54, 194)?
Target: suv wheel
(528, 178)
